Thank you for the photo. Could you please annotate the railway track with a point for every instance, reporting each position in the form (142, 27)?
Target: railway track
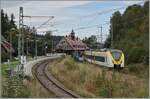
(41, 73)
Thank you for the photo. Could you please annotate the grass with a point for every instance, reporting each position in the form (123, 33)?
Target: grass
(140, 70)
(7, 66)
(31, 88)
(89, 80)
(37, 90)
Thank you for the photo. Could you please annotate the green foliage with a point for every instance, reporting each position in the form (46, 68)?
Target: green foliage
(140, 69)
(30, 36)
(134, 68)
(92, 42)
(107, 43)
(14, 88)
(104, 86)
(71, 64)
(116, 25)
(130, 33)
(6, 67)
(4, 56)
(83, 73)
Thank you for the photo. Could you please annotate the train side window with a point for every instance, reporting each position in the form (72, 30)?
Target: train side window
(100, 58)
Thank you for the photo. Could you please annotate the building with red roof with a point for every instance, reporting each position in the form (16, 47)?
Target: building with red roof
(70, 44)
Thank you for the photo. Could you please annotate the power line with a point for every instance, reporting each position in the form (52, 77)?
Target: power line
(87, 27)
(44, 23)
(104, 12)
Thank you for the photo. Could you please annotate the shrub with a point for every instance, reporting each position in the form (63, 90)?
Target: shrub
(13, 87)
(4, 56)
(82, 76)
(71, 64)
(133, 68)
(140, 69)
(105, 86)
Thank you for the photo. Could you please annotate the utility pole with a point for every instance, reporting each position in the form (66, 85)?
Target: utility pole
(45, 48)
(35, 39)
(10, 34)
(52, 41)
(36, 48)
(50, 18)
(112, 34)
(20, 37)
(23, 31)
(101, 35)
(27, 46)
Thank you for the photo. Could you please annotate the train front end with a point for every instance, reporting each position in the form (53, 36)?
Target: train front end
(117, 58)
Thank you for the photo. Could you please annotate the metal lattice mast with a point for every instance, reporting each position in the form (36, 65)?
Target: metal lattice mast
(112, 35)
(101, 35)
(20, 38)
(20, 32)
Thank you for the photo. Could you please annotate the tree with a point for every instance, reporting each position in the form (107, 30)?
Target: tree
(92, 42)
(132, 13)
(116, 25)
(5, 24)
(130, 33)
(12, 22)
(107, 43)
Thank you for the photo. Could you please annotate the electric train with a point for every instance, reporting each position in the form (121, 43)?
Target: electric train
(112, 58)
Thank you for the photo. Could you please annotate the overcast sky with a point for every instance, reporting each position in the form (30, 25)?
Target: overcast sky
(68, 15)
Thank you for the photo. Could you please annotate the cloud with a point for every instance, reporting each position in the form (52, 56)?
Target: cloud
(65, 12)
(45, 8)
(127, 3)
(7, 3)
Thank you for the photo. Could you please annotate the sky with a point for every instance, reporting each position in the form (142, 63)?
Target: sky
(85, 17)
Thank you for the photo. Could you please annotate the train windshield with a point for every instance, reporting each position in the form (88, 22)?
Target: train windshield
(116, 54)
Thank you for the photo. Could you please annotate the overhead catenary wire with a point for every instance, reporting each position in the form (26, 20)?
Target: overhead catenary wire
(50, 17)
(44, 23)
(87, 27)
(102, 12)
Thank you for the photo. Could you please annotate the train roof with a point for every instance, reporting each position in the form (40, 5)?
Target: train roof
(113, 50)
(105, 50)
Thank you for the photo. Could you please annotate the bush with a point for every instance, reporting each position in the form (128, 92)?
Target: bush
(133, 68)
(103, 85)
(82, 76)
(137, 68)
(14, 88)
(71, 64)
(4, 56)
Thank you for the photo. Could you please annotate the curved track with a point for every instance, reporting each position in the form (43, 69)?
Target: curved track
(40, 71)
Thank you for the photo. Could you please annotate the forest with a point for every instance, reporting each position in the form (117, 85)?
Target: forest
(9, 28)
(131, 33)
